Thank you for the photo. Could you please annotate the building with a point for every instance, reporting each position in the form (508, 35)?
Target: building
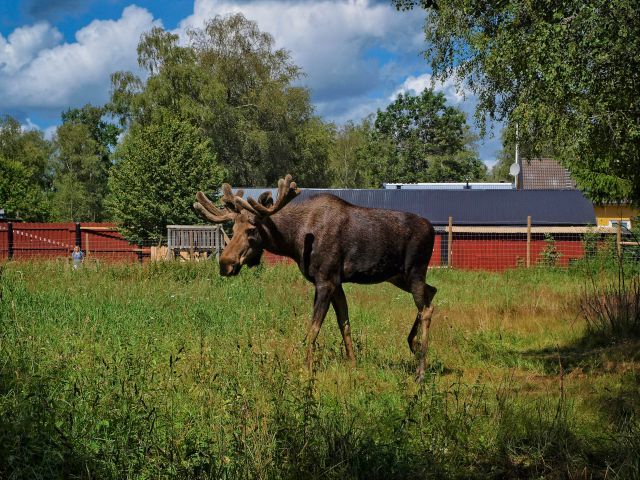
(547, 173)
(544, 174)
(449, 186)
(476, 207)
(491, 229)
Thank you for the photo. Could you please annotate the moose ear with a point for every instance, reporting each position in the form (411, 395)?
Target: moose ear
(265, 199)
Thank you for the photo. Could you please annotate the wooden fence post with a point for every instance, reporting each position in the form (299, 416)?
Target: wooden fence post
(78, 235)
(450, 242)
(86, 246)
(528, 241)
(619, 237)
(10, 240)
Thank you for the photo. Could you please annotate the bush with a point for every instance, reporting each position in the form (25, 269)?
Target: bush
(550, 255)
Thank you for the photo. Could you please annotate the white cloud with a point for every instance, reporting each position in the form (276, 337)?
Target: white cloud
(341, 45)
(48, 132)
(29, 125)
(356, 108)
(23, 44)
(353, 108)
(454, 94)
(44, 74)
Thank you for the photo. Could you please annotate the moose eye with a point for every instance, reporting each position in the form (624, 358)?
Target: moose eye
(252, 233)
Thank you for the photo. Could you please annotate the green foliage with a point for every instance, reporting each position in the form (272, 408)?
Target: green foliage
(565, 72)
(24, 175)
(419, 139)
(232, 83)
(506, 157)
(16, 192)
(550, 255)
(105, 134)
(158, 170)
(348, 163)
(80, 175)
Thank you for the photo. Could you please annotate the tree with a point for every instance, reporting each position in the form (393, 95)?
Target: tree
(566, 72)
(158, 170)
(16, 193)
(420, 138)
(506, 157)
(348, 165)
(459, 167)
(104, 133)
(25, 181)
(232, 83)
(80, 175)
(81, 163)
(500, 170)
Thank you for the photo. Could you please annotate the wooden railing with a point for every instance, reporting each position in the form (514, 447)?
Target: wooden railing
(195, 238)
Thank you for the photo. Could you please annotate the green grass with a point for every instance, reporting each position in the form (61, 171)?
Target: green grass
(170, 371)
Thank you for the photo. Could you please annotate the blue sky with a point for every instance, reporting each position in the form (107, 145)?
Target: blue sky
(358, 54)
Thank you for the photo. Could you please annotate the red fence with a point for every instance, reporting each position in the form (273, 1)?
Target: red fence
(500, 248)
(478, 248)
(51, 240)
(499, 252)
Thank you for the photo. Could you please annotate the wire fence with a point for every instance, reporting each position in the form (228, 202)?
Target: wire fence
(463, 247)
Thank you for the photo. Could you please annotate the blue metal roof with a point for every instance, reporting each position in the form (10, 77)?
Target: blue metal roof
(476, 207)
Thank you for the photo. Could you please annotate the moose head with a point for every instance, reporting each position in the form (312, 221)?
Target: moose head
(249, 217)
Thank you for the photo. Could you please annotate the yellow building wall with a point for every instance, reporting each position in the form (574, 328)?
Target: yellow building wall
(605, 213)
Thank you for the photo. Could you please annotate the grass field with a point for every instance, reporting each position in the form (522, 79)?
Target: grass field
(170, 371)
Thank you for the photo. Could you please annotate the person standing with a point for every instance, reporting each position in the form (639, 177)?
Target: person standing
(77, 257)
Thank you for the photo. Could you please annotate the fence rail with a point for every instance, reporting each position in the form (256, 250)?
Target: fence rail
(456, 246)
(54, 240)
(500, 248)
(207, 239)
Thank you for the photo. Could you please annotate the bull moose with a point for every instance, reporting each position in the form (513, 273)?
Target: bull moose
(333, 242)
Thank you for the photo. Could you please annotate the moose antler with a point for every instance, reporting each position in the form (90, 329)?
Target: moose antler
(287, 191)
(264, 207)
(229, 198)
(208, 210)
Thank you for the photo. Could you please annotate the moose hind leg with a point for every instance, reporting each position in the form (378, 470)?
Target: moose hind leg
(423, 295)
(339, 302)
(412, 339)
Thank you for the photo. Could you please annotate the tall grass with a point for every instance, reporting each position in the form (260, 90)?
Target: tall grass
(611, 307)
(170, 371)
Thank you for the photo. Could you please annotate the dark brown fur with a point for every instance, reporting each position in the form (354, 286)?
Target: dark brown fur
(334, 242)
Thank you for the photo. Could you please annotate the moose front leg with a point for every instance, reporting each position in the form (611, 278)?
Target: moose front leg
(323, 295)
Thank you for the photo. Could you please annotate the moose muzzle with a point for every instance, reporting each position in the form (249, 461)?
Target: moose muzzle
(229, 267)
